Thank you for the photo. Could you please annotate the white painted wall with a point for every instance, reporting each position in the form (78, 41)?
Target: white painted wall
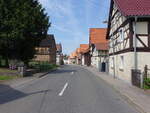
(95, 59)
(125, 73)
(83, 60)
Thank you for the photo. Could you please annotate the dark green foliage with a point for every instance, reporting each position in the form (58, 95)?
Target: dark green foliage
(23, 24)
(42, 66)
(147, 83)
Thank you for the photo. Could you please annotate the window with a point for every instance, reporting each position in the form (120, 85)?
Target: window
(121, 35)
(121, 62)
(112, 62)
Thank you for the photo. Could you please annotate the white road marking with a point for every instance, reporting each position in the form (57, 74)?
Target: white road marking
(64, 88)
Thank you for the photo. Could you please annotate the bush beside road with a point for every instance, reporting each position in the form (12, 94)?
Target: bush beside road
(37, 69)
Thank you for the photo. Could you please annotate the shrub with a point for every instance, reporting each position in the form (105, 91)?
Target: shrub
(147, 83)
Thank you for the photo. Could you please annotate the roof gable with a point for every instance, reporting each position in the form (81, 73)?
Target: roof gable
(84, 47)
(102, 46)
(97, 35)
(49, 41)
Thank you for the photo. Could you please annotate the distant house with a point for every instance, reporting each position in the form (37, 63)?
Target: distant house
(129, 37)
(72, 58)
(98, 47)
(78, 57)
(46, 52)
(59, 54)
(84, 57)
(66, 59)
(100, 56)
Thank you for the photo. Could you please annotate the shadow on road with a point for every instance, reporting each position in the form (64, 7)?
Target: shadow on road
(8, 94)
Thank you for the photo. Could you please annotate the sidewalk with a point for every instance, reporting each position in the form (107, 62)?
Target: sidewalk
(135, 96)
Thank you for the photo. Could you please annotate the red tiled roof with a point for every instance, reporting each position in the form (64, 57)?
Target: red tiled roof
(78, 50)
(49, 41)
(73, 55)
(84, 47)
(86, 51)
(101, 46)
(98, 35)
(134, 7)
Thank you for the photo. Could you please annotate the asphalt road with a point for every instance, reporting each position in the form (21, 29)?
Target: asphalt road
(71, 89)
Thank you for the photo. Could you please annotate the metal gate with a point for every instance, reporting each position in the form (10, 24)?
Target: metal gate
(136, 77)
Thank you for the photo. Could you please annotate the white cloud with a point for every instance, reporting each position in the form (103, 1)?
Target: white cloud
(61, 9)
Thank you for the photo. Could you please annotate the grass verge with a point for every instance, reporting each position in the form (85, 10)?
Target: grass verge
(5, 77)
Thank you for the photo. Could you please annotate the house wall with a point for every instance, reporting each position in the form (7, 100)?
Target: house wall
(124, 61)
(94, 61)
(98, 56)
(142, 28)
(94, 58)
(143, 57)
(72, 61)
(83, 59)
(121, 72)
(124, 72)
(42, 58)
(86, 59)
(44, 54)
(59, 59)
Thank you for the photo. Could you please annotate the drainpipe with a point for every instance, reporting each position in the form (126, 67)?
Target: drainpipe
(114, 73)
(135, 45)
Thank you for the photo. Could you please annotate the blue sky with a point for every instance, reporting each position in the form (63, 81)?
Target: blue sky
(71, 20)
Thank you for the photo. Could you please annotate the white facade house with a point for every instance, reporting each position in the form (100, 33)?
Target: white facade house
(98, 47)
(99, 54)
(95, 59)
(129, 38)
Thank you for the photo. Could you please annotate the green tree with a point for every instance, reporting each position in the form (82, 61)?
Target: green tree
(23, 24)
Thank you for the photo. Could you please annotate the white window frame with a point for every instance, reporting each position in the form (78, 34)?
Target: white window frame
(121, 35)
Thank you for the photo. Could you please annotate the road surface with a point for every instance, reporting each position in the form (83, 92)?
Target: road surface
(71, 89)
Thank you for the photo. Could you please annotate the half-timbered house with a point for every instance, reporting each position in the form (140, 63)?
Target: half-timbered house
(72, 58)
(83, 50)
(78, 58)
(46, 52)
(98, 46)
(129, 37)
